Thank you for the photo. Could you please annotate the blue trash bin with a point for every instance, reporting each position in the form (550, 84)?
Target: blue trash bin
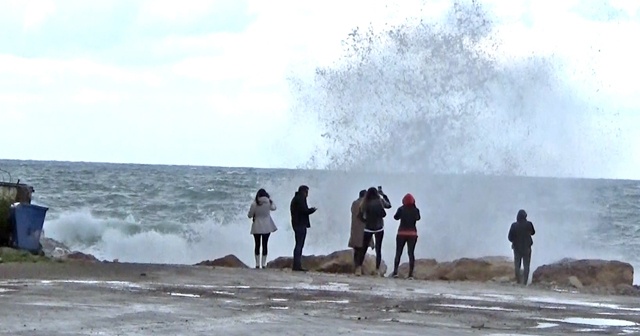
(28, 220)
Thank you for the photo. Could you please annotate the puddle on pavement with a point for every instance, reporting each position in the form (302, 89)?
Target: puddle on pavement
(237, 287)
(500, 296)
(327, 301)
(112, 284)
(223, 293)
(579, 303)
(474, 307)
(185, 295)
(279, 308)
(545, 325)
(597, 322)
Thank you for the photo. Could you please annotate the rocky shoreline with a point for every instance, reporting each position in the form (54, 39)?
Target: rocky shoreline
(592, 276)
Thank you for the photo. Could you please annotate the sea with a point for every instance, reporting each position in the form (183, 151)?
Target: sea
(187, 214)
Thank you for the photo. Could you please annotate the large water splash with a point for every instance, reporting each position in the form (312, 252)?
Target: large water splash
(442, 97)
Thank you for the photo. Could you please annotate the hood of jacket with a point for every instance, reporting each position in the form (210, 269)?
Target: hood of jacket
(522, 216)
(408, 200)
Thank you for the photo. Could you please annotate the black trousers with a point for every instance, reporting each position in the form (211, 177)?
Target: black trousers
(264, 239)
(401, 241)
(378, 242)
(519, 258)
(300, 236)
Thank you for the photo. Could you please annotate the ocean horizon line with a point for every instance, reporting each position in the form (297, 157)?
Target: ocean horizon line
(316, 170)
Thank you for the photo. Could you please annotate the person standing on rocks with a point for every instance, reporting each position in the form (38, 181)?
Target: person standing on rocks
(356, 238)
(408, 214)
(300, 222)
(520, 236)
(263, 225)
(372, 213)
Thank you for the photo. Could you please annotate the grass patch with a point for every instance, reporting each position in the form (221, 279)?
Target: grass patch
(9, 255)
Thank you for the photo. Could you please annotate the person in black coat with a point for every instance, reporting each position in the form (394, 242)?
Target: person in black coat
(520, 236)
(300, 213)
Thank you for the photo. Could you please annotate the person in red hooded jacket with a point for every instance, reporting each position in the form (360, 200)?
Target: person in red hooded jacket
(408, 214)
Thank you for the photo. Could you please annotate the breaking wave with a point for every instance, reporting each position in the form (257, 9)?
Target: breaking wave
(444, 97)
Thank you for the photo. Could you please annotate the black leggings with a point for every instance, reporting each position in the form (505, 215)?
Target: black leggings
(265, 242)
(400, 242)
(378, 240)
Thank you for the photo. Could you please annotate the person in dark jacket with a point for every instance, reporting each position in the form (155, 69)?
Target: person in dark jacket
(372, 213)
(408, 214)
(521, 241)
(300, 213)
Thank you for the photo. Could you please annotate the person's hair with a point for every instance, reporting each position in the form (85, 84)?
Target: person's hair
(371, 195)
(261, 193)
(303, 188)
(362, 193)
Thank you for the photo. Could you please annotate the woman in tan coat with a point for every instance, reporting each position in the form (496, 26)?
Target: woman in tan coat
(356, 239)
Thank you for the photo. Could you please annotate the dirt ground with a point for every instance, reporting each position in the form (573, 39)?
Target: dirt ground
(139, 299)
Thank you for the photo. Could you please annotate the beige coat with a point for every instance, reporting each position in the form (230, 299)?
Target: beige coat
(261, 215)
(357, 226)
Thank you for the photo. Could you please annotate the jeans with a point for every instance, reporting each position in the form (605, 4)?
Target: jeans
(522, 257)
(300, 235)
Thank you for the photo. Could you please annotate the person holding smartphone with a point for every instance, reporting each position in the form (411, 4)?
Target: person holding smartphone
(372, 213)
(300, 222)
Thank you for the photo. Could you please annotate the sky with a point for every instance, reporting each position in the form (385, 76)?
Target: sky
(206, 82)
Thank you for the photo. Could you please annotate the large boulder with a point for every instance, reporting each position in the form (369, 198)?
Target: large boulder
(226, 261)
(336, 262)
(586, 272)
(464, 269)
(53, 248)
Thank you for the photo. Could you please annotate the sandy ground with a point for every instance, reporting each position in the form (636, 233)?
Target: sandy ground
(135, 299)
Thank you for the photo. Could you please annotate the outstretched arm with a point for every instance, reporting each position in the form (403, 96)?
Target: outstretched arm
(385, 202)
(304, 208)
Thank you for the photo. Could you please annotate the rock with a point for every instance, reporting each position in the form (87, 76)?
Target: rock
(226, 261)
(623, 289)
(590, 273)
(53, 248)
(81, 257)
(336, 262)
(464, 269)
(575, 282)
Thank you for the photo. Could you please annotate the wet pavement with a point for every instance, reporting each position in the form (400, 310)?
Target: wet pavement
(136, 299)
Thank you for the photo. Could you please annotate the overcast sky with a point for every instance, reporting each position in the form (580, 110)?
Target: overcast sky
(205, 82)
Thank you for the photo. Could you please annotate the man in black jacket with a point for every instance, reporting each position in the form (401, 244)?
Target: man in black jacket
(300, 213)
(521, 241)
